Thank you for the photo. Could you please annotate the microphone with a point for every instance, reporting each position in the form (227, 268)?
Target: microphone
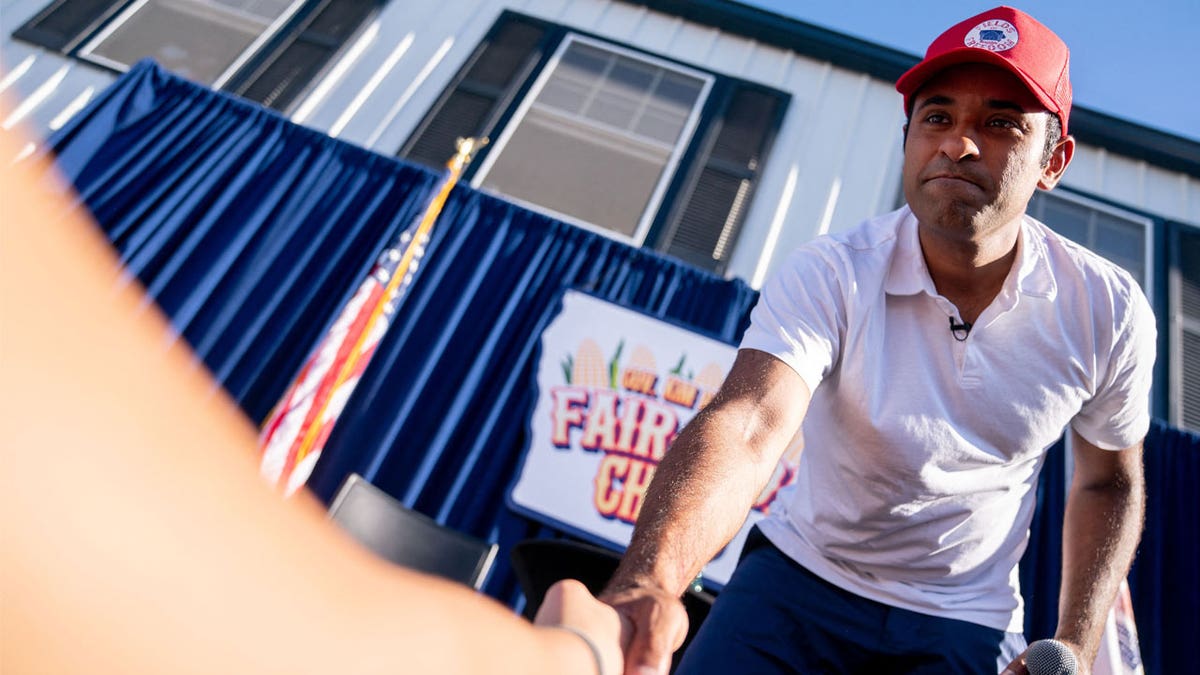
(1050, 657)
(960, 330)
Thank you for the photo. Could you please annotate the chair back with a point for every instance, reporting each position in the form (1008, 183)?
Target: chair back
(408, 538)
(539, 563)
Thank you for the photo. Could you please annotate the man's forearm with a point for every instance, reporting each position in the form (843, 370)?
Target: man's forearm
(699, 498)
(1100, 534)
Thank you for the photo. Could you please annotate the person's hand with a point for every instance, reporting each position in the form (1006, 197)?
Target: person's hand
(1018, 667)
(568, 604)
(659, 624)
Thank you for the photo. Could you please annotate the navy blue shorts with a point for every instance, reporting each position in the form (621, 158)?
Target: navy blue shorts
(775, 616)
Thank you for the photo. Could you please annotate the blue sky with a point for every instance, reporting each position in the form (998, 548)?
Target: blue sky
(1137, 60)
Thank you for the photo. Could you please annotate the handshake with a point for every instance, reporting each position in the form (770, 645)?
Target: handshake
(608, 631)
(569, 607)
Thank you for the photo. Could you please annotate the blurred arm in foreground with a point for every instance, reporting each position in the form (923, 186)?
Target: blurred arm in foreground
(138, 536)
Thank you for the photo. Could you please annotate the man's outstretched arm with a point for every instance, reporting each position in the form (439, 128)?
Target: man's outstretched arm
(699, 498)
(1103, 523)
(1101, 528)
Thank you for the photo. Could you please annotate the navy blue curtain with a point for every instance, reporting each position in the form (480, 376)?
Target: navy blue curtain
(1165, 579)
(1040, 570)
(251, 232)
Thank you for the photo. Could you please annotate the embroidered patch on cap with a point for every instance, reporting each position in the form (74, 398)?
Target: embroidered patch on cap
(994, 35)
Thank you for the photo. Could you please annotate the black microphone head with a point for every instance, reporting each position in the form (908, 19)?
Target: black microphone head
(1050, 657)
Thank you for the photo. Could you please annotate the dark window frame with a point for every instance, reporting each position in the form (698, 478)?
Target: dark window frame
(687, 174)
(700, 158)
(641, 237)
(1167, 269)
(91, 19)
(1182, 337)
(1151, 236)
(506, 97)
(259, 78)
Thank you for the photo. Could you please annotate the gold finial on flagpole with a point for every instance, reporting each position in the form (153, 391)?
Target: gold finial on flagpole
(467, 147)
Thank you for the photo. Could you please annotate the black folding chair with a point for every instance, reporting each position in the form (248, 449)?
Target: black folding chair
(408, 538)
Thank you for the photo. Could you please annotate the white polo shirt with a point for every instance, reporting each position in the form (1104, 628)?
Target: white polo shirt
(921, 452)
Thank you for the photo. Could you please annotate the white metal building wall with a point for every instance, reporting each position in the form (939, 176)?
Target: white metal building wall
(835, 161)
(1135, 183)
(43, 89)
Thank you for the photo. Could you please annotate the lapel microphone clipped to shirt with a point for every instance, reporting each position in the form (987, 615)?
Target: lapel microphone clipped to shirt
(960, 330)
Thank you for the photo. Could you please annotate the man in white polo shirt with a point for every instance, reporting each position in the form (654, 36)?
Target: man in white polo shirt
(932, 354)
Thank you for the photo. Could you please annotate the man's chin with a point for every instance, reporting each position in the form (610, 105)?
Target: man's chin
(954, 215)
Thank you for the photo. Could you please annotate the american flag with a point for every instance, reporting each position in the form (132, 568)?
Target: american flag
(1119, 653)
(294, 435)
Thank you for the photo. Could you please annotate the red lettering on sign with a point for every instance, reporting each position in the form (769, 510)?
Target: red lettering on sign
(608, 496)
(621, 484)
(600, 429)
(656, 431)
(566, 411)
(631, 413)
(637, 479)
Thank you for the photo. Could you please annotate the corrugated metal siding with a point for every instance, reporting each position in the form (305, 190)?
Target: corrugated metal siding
(1135, 183)
(407, 57)
(44, 88)
(836, 159)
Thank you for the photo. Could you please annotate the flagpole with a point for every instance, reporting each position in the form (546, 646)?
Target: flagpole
(314, 427)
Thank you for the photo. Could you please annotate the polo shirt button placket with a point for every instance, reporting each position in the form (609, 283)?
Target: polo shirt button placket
(960, 356)
(968, 372)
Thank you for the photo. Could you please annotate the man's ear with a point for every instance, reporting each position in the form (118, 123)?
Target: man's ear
(904, 138)
(1060, 158)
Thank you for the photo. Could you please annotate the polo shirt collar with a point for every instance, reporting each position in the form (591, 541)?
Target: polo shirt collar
(908, 274)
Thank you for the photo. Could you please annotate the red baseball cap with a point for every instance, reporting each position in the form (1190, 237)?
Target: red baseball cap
(1004, 37)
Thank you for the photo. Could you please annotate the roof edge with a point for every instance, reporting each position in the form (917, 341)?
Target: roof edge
(1160, 148)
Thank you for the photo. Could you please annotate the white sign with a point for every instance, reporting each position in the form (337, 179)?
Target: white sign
(614, 388)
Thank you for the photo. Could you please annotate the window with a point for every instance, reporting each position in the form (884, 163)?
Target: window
(1184, 334)
(198, 39)
(1120, 236)
(266, 50)
(600, 123)
(632, 145)
(1128, 239)
(287, 66)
